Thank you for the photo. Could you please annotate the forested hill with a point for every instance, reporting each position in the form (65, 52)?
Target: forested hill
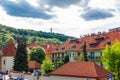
(32, 36)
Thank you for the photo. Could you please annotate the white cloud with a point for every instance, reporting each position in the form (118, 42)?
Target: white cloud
(67, 21)
(103, 4)
(33, 2)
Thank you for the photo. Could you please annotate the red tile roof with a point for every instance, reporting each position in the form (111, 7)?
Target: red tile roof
(81, 69)
(48, 47)
(34, 45)
(34, 65)
(91, 40)
(10, 49)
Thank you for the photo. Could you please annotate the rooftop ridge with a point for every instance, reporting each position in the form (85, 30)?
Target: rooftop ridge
(9, 47)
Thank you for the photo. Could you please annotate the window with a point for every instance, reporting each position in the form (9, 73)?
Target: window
(92, 56)
(70, 54)
(57, 49)
(58, 56)
(73, 47)
(97, 57)
(4, 62)
(63, 48)
(88, 79)
(52, 56)
(78, 54)
(93, 44)
(62, 55)
(109, 43)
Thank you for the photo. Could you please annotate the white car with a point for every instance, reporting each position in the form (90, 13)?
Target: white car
(1, 77)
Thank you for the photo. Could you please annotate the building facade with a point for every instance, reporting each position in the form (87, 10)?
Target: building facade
(95, 43)
(8, 56)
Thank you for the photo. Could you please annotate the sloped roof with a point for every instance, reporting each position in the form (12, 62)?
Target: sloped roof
(10, 49)
(34, 45)
(90, 39)
(34, 65)
(48, 47)
(81, 69)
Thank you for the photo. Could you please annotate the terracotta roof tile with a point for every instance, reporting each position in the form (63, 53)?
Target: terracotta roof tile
(106, 37)
(10, 49)
(34, 65)
(34, 45)
(48, 47)
(81, 69)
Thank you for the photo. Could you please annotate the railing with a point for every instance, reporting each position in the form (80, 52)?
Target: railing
(93, 57)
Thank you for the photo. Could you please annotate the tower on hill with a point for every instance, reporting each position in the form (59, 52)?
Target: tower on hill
(51, 30)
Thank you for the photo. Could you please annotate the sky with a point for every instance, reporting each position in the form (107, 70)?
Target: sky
(69, 17)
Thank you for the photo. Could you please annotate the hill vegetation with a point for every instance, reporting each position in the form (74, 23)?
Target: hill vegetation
(7, 33)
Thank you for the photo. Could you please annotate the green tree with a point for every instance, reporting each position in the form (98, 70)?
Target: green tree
(79, 58)
(57, 64)
(66, 59)
(47, 66)
(37, 54)
(20, 59)
(111, 58)
(85, 52)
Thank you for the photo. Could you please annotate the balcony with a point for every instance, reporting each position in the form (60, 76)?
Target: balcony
(93, 57)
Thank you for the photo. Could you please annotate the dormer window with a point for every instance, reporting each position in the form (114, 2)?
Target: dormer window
(77, 41)
(109, 43)
(63, 48)
(74, 40)
(56, 49)
(93, 44)
(73, 47)
(99, 39)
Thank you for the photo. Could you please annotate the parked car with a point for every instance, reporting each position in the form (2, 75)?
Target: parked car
(1, 77)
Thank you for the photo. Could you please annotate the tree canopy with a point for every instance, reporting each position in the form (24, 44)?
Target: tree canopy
(37, 54)
(66, 59)
(85, 52)
(57, 64)
(111, 58)
(47, 66)
(79, 58)
(32, 36)
(20, 59)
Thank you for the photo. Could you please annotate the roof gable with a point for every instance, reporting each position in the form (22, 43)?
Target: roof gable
(10, 49)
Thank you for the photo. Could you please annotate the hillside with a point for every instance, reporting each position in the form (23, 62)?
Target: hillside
(32, 36)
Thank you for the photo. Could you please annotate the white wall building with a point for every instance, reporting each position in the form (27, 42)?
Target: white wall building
(8, 56)
(7, 63)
